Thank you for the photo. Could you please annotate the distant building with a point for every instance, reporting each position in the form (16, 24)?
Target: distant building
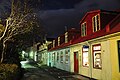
(59, 53)
(42, 49)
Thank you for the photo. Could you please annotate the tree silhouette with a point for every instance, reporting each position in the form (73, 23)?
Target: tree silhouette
(22, 29)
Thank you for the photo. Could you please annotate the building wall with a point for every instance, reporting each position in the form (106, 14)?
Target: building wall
(105, 71)
(53, 62)
(73, 49)
(101, 74)
(114, 58)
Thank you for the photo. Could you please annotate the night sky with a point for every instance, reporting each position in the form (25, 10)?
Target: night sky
(58, 14)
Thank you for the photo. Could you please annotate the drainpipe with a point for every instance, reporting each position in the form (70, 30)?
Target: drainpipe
(90, 64)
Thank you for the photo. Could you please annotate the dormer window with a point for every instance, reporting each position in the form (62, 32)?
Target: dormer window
(66, 37)
(53, 43)
(58, 41)
(83, 29)
(96, 23)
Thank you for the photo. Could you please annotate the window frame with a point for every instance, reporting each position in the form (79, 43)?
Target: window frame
(118, 47)
(61, 56)
(83, 52)
(58, 41)
(66, 37)
(67, 56)
(83, 26)
(96, 51)
(58, 58)
(96, 23)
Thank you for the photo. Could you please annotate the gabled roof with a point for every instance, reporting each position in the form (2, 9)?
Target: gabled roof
(97, 11)
(115, 22)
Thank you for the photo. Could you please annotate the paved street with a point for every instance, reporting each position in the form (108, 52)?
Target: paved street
(32, 72)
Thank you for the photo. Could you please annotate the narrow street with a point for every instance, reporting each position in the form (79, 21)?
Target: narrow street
(32, 72)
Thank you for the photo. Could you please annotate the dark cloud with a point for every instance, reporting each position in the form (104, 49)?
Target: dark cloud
(56, 19)
(56, 14)
(58, 4)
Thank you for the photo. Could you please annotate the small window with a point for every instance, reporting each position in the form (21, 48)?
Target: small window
(96, 23)
(66, 37)
(58, 41)
(85, 56)
(83, 29)
(61, 57)
(97, 61)
(119, 54)
(53, 43)
(57, 56)
(66, 56)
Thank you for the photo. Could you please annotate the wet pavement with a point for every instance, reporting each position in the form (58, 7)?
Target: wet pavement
(62, 75)
(31, 72)
(34, 72)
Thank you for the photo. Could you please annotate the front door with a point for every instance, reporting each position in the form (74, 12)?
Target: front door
(76, 63)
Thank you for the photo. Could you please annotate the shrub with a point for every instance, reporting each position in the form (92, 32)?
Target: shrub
(9, 72)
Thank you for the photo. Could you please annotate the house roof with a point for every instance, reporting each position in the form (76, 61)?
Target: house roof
(97, 11)
(115, 22)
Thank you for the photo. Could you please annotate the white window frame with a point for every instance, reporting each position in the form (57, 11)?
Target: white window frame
(83, 29)
(96, 23)
(66, 56)
(53, 43)
(97, 60)
(85, 56)
(58, 41)
(66, 37)
(61, 56)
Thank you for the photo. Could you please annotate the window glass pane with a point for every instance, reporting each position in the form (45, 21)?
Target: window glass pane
(83, 29)
(66, 56)
(98, 27)
(119, 54)
(57, 56)
(61, 56)
(85, 57)
(97, 62)
(96, 23)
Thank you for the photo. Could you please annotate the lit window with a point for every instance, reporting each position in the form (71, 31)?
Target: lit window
(85, 56)
(66, 37)
(97, 56)
(61, 57)
(83, 29)
(58, 41)
(53, 43)
(119, 54)
(96, 23)
(66, 56)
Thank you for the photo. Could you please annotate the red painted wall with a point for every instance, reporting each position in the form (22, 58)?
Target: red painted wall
(105, 18)
(88, 20)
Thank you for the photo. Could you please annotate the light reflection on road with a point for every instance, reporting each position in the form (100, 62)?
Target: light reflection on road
(25, 64)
